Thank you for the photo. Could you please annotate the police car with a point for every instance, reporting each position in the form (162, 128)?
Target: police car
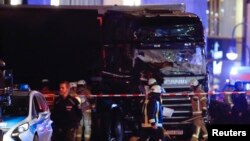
(27, 118)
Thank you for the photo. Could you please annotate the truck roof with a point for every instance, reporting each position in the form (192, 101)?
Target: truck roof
(102, 9)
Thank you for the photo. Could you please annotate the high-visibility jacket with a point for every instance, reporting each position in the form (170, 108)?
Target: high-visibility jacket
(152, 112)
(199, 102)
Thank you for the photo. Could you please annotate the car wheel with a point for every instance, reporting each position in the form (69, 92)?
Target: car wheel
(36, 138)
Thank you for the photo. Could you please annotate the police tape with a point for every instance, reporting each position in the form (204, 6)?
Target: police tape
(170, 94)
(163, 94)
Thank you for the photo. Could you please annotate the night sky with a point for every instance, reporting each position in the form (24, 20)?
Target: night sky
(52, 43)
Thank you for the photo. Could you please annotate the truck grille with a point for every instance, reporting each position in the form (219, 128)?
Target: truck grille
(182, 109)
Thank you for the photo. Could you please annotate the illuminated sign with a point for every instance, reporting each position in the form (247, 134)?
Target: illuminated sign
(216, 54)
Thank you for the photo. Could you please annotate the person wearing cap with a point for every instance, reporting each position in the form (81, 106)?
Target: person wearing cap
(199, 107)
(152, 116)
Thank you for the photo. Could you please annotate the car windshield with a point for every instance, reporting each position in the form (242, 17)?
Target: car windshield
(19, 106)
(175, 61)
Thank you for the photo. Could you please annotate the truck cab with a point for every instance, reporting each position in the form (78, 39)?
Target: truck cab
(167, 43)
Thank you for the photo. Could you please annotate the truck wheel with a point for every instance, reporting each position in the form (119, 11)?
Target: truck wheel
(118, 131)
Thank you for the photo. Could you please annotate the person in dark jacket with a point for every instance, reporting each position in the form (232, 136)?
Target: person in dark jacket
(240, 105)
(66, 115)
(152, 116)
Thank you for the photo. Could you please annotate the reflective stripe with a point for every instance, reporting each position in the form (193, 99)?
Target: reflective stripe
(198, 131)
(87, 136)
(145, 111)
(149, 125)
(198, 112)
(157, 112)
(204, 136)
(72, 102)
(198, 105)
(146, 125)
(79, 135)
(159, 125)
(195, 136)
(203, 98)
(152, 120)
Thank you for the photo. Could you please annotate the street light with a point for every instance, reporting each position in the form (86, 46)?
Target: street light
(232, 52)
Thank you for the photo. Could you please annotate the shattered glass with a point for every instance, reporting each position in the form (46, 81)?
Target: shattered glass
(175, 61)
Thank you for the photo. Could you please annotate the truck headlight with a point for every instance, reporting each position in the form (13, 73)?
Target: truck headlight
(20, 129)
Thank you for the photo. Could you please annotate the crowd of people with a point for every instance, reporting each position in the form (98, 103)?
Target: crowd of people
(71, 112)
(239, 104)
(231, 106)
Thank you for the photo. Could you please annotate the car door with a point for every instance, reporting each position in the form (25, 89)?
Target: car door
(44, 128)
(40, 123)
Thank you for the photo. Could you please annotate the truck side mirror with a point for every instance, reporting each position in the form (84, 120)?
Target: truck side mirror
(8, 78)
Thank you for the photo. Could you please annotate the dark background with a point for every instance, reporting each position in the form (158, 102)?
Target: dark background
(48, 42)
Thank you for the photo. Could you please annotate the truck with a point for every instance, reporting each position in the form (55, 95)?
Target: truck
(124, 43)
(170, 45)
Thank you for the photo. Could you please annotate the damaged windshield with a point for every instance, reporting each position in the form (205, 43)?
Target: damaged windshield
(174, 61)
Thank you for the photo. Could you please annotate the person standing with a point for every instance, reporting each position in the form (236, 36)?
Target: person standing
(239, 108)
(199, 107)
(66, 115)
(86, 106)
(152, 116)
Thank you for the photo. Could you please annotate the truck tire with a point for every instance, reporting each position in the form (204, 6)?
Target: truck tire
(117, 126)
(118, 131)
